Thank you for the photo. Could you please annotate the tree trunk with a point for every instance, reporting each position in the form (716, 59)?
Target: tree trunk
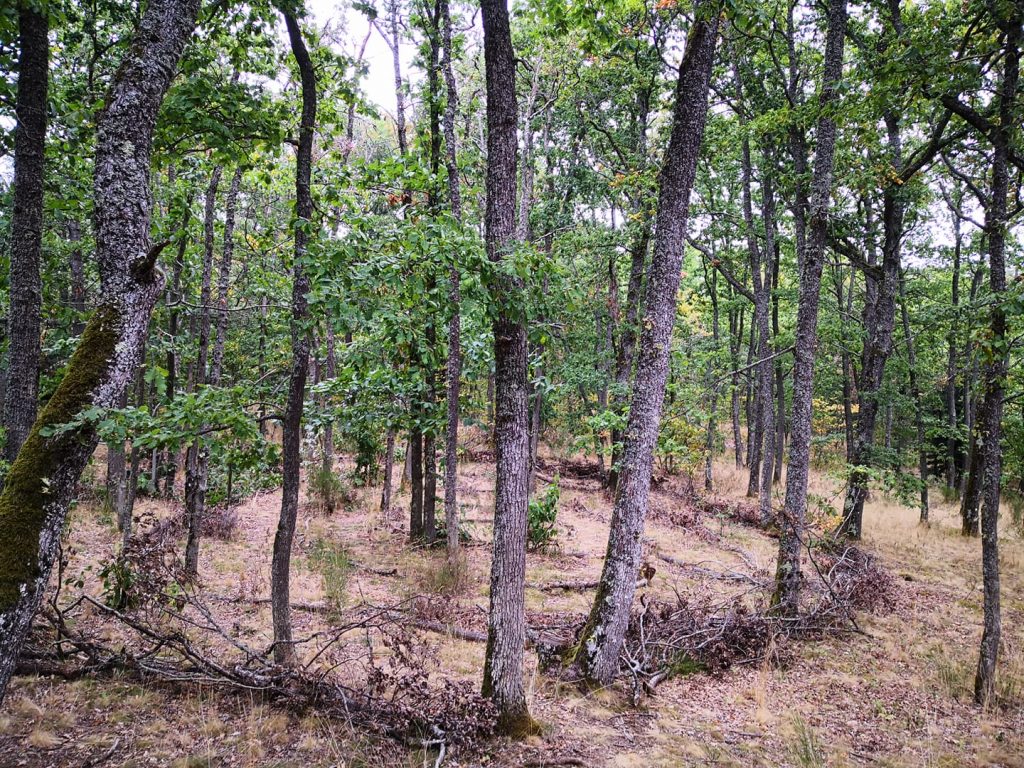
(765, 369)
(291, 441)
(389, 463)
(77, 277)
(787, 590)
(197, 455)
(506, 624)
(172, 299)
(451, 443)
(915, 392)
(415, 452)
(601, 639)
(878, 343)
(224, 279)
(21, 402)
(990, 417)
(32, 515)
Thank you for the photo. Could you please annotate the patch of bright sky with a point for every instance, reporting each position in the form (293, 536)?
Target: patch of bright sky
(378, 85)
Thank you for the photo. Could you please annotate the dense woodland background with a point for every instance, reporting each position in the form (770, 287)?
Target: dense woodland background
(677, 342)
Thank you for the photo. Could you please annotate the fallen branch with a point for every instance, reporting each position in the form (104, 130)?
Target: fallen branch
(734, 576)
(580, 586)
(94, 761)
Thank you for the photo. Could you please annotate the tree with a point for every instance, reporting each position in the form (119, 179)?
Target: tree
(24, 319)
(300, 335)
(1000, 133)
(602, 636)
(506, 625)
(810, 255)
(451, 444)
(41, 483)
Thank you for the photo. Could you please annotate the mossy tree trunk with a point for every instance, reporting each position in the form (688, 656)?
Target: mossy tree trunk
(601, 640)
(41, 483)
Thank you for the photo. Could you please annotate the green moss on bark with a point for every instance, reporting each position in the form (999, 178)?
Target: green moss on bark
(27, 491)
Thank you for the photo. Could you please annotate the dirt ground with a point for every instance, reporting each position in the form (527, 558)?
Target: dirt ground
(897, 695)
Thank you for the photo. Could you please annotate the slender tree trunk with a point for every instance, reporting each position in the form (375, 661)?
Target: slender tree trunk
(389, 464)
(970, 493)
(602, 636)
(77, 277)
(952, 444)
(416, 481)
(506, 625)
(451, 444)
(172, 299)
(990, 417)
(712, 430)
(32, 515)
(21, 402)
(765, 369)
(780, 383)
(787, 591)
(915, 392)
(197, 455)
(224, 279)
(291, 441)
(878, 344)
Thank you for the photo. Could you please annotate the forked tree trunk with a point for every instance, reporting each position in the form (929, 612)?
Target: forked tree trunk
(291, 441)
(602, 636)
(32, 514)
(21, 401)
(506, 624)
(791, 525)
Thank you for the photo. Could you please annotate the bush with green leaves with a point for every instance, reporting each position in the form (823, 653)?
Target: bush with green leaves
(541, 517)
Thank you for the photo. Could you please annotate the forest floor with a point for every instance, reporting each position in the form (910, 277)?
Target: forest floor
(897, 695)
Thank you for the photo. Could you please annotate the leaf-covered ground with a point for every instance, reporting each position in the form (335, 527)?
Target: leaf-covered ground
(897, 695)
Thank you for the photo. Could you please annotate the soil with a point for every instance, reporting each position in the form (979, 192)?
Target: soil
(897, 695)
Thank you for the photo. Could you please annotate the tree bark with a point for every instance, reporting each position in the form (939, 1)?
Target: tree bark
(291, 441)
(21, 402)
(915, 393)
(506, 624)
(602, 636)
(1009, 18)
(197, 456)
(454, 370)
(787, 591)
(389, 463)
(224, 279)
(32, 514)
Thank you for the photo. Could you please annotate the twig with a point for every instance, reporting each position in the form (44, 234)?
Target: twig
(94, 761)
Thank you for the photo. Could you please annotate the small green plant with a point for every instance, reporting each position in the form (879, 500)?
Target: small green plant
(333, 563)
(328, 489)
(448, 580)
(118, 582)
(805, 747)
(542, 513)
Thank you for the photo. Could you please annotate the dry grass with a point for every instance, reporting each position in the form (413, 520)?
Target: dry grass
(901, 697)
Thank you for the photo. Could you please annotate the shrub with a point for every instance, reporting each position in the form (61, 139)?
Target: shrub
(328, 489)
(334, 565)
(541, 516)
